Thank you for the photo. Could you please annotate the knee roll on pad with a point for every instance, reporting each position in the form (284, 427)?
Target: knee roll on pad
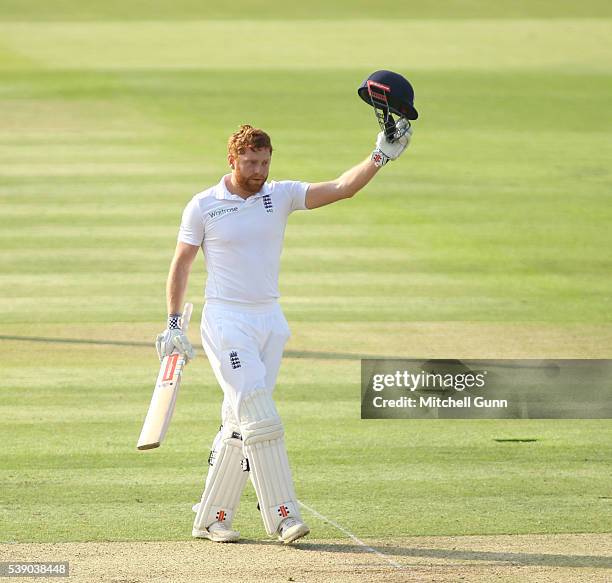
(224, 482)
(259, 420)
(264, 446)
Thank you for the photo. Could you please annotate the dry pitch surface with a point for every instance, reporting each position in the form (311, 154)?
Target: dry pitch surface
(541, 558)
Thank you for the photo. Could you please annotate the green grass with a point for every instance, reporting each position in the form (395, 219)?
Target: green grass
(410, 45)
(70, 471)
(495, 223)
(88, 10)
(494, 216)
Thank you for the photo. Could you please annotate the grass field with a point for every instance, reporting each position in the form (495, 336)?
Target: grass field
(489, 238)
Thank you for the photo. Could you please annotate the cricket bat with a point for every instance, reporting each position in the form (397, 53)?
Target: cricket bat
(164, 395)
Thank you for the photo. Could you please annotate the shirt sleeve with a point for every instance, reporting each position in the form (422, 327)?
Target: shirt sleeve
(297, 194)
(191, 230)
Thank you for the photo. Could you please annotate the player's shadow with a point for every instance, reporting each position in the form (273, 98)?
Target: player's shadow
(522, 559)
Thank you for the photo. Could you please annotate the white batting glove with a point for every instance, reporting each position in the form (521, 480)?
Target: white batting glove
(173, 338)
(386, 150)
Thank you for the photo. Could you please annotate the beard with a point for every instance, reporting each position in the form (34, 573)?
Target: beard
(250, 184)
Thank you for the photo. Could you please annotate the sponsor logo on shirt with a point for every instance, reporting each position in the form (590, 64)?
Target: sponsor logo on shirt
(219, 212)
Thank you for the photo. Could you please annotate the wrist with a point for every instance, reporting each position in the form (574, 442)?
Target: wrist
(379, 158)
(174, 321)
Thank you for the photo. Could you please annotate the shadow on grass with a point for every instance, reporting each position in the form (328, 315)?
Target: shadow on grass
(89, 341)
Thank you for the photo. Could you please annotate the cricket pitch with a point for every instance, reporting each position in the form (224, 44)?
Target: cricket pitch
(541, 558)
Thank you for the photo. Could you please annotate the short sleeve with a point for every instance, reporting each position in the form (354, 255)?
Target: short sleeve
(297, 194)
(192, 225)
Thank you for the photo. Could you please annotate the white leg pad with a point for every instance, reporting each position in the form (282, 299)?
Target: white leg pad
(264, 446)
(224, 482)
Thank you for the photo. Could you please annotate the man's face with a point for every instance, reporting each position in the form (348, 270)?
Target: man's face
(251, 168)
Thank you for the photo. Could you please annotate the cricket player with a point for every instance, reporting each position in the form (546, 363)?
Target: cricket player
(239, 224)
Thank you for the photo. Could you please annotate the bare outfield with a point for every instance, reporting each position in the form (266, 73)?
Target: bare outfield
(541, 558)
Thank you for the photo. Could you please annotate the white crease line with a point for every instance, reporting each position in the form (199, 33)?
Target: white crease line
(350, 535)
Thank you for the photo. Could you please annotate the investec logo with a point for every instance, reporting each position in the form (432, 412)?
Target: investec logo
(219, 212)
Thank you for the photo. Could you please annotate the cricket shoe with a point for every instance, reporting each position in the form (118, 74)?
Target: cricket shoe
(217, 532)
(292, 529)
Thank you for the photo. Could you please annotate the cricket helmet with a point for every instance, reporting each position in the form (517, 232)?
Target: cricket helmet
(391, 90)
(388, 93)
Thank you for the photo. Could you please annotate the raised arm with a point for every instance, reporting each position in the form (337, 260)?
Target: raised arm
(353, 180)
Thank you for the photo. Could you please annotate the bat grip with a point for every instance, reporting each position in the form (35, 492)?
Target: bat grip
(186, 317)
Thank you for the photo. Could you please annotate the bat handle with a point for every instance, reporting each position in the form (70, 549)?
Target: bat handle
(186, 317)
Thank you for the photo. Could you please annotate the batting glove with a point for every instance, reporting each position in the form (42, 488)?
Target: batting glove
(386, 150)
(173, 338)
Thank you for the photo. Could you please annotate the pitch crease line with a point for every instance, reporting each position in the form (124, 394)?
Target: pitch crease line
(350, 535)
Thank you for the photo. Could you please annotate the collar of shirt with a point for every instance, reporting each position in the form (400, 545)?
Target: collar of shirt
(224, 193)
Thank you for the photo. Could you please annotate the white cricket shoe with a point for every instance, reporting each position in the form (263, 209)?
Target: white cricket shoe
(217, 532)
(292, 529)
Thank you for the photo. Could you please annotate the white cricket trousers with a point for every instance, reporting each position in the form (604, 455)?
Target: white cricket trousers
(245, 347)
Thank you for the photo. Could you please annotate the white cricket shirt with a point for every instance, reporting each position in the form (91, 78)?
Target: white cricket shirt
(242, 239)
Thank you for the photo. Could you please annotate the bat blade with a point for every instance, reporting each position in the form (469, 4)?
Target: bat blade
(163, 401)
